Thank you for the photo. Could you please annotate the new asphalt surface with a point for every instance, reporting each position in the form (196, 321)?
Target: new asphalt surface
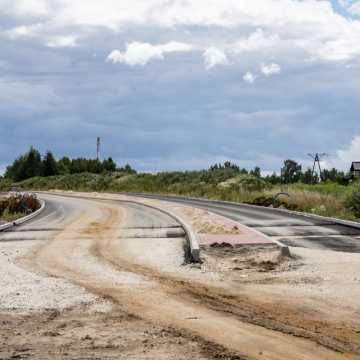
(291, 229)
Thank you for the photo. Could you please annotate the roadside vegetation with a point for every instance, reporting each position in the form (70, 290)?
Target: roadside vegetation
(17, 206)
(335, 195)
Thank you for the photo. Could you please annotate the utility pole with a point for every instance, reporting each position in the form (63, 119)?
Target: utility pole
(317, 157)
(98, 148)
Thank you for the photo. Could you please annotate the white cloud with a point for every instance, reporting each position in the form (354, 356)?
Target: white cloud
(61, 41)
(355, 8)
(256, 41)
(38, 32)
(24, 8)
(344, 157)
(21, 31)
(270, 69)
(226, 13)
(352, 6)
(312, 26)
(137, 53)
(249, 77)
(214, 57)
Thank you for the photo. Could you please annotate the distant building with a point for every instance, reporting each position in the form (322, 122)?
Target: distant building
(355, 169)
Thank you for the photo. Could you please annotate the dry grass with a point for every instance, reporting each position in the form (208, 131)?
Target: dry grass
(316, 203)
(6, 216)
(16, 206)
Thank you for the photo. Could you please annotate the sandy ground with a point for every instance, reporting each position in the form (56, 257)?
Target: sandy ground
(83, 287)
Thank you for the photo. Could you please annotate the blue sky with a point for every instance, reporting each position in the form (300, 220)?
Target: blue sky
(181, 84)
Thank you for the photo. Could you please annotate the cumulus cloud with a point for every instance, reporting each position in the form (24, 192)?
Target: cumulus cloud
(312, 26)
(249, 77)
(214, 57)
(38, 32)
(355, 8)
(22, 31)
(226, 13)
(23, 8)
(62, 41)
(344, 157)
(138, 53)
(270, 69)
(256, 41)
(352, 6)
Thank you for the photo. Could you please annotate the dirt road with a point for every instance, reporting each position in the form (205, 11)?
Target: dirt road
(113, 251)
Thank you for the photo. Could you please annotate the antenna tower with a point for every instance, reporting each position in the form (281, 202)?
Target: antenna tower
(317, 157)
(98, 148)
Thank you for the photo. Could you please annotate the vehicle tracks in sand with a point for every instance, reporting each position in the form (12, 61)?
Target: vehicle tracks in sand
(92, 253)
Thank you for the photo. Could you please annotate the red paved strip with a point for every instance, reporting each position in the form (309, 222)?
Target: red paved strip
(243, 239)
(247, 236)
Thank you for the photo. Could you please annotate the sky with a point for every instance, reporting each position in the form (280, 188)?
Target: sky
(181, 84)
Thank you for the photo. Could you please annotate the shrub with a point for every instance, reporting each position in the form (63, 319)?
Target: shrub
(247, 183)
(352, 201)
(23, 203)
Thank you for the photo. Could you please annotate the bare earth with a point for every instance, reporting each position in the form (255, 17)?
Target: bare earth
(79, 286)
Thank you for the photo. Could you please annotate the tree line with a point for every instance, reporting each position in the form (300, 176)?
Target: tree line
(33, 164)
(291, 172)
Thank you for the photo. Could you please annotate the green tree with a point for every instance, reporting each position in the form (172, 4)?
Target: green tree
(49, 165)
(308, 177)
(256, 172)
(273, 178)
(25, 166)
(109, 165)
(32, 165)
(352, 201)
(64, 165)
(291, 172)
(78, 166)
(13, 171)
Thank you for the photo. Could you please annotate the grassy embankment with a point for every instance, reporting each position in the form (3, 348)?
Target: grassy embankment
(328, 199)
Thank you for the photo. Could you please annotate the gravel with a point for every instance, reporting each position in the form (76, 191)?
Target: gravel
(23, 290)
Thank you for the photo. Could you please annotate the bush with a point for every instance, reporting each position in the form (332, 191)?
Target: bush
(23, 203)
(352, 201)
(247, 183)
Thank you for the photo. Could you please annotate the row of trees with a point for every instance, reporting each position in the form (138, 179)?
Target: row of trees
(33, 164)
(291, 172)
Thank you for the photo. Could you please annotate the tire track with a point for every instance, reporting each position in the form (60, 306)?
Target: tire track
(158, 297)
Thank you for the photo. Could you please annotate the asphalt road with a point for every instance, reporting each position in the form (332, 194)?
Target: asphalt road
(291, 229)
(60, 210)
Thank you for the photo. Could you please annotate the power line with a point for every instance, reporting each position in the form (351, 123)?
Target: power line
(317, 157)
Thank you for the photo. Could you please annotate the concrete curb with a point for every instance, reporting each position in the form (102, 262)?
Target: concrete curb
(190, 235)
(284, 249)
(23, 219)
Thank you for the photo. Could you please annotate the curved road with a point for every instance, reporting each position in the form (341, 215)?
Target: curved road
(291, 229)
(113, 249)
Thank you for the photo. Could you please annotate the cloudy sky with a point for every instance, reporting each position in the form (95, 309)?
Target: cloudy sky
(181, 84)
